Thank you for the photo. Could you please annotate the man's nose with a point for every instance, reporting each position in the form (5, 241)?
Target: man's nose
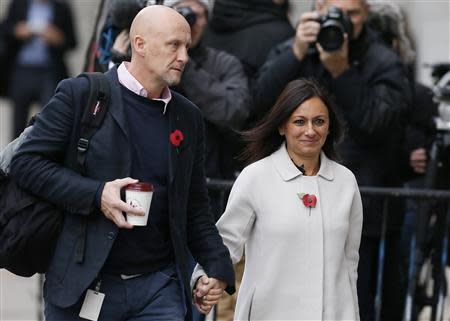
(183, 55)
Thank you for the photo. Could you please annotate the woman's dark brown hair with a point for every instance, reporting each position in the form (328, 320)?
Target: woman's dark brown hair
(265, 139)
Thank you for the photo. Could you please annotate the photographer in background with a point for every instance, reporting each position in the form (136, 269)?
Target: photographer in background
(388, 20)
(215, 81)
(372, 92)
(113, 45)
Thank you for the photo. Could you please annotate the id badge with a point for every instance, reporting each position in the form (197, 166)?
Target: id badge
(92, 305)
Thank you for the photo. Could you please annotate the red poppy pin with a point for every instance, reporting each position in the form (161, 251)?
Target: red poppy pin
(176, 137)
(309, 200)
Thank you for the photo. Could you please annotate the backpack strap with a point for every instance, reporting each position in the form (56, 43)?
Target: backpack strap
(93, 115)
(92, 118)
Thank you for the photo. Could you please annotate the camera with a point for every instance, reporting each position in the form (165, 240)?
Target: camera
(188, 14)
(333, 26)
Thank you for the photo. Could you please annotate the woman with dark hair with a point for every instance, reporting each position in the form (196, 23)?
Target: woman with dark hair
(266, 138)
(297, 213)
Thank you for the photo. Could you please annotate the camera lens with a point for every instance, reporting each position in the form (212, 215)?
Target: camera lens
(333, 27)
(331, 36)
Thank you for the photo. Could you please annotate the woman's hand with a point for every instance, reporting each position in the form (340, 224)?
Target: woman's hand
(207, 293)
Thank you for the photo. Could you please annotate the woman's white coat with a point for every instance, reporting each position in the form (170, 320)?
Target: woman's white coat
(301, 263)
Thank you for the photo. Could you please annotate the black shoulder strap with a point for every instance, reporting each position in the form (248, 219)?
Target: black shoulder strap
(94, 113)
(91, 120)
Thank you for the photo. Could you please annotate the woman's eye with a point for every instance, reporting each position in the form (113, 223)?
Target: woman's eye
(319, 121)
(299, 122)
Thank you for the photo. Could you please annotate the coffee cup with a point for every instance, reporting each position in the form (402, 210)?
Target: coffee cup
(139, 195)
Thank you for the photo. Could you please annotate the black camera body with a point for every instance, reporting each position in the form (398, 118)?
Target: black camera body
(333, 26)
(188, 14)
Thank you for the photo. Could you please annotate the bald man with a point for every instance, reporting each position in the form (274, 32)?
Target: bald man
(150, 134)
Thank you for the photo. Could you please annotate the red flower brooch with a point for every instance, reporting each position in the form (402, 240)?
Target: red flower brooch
(176, 137)
(309, 200)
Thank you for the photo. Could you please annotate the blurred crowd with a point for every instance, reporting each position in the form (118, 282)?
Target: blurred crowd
(243, 54)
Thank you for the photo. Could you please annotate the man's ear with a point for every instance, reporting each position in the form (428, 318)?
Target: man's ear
(139, 44)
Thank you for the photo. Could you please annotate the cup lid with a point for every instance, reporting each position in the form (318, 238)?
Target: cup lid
(143, 187)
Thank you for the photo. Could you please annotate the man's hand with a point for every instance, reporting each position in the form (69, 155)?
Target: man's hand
(53, 36)
(207, 293)
(336, 62)
(306, 33)
(112, 206)
(418, 160)
(21, 31)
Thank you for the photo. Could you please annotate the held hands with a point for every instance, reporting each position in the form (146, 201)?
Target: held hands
(112, 206)
(207, 293)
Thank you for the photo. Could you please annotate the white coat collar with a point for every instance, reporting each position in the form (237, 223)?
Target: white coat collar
(287, 169)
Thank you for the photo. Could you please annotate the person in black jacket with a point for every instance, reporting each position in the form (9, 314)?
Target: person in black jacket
(38, 34)
(215, 81)
(388, 20)
(154, 135)
(371, 89)
(248, 29)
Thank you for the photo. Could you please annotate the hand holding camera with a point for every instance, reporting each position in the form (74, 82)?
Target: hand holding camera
(329, 32)
(306, 33)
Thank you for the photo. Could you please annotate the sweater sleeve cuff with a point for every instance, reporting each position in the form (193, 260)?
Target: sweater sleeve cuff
(98, 196)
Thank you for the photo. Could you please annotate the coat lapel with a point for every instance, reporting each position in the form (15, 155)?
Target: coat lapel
(174, 152)
(116, 106)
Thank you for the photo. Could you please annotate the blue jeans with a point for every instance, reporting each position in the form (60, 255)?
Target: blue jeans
(155, 296)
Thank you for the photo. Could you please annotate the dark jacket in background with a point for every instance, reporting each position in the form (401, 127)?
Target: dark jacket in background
(215, 81)
(373, 97)
(248, 30)
(421, 128)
